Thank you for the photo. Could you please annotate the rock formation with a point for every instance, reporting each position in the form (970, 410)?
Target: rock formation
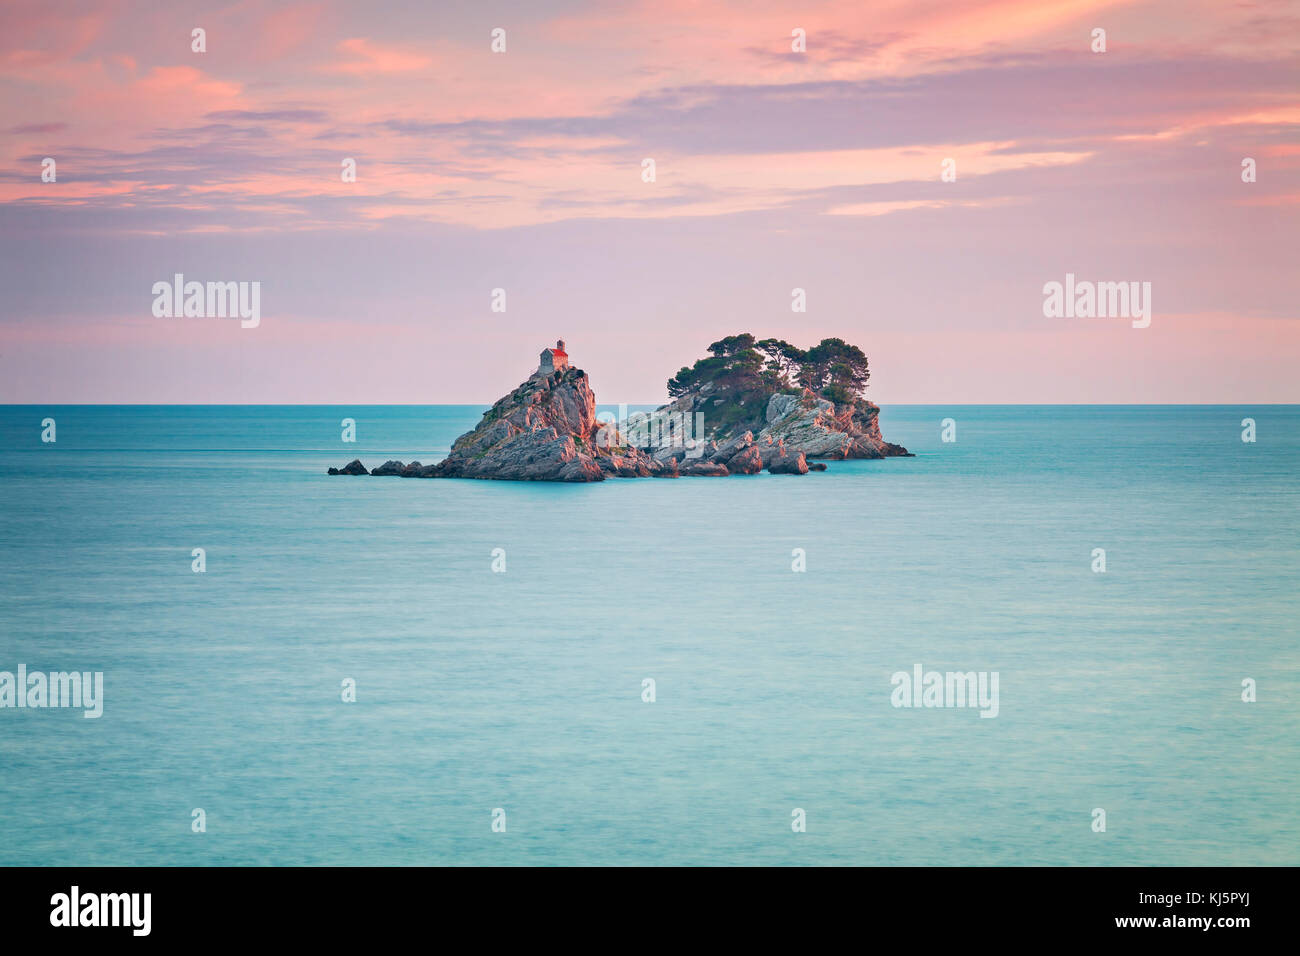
(806, 423)
(354, 467)
(546, 430)
(811, 424)
(809, 399)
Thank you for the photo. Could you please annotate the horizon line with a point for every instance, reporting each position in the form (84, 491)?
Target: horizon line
(655, 404)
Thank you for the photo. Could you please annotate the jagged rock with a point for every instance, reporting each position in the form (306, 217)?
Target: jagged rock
(816, 466)
(805, 421)
(546, 430)
(811, 424)
(732, 446)
(788, 462)
(769, 449)
(779, 406)
(704, 469)
(746, 462)
(540, 455)
(581, 468)
(626, 466)
(354, 467)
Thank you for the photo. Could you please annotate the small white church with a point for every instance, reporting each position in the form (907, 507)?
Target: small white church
(553, 360)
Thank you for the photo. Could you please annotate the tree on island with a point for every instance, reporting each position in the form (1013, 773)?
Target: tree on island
(742, 368)
(835, 370)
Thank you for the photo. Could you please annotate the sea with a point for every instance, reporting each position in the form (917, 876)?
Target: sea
(387, 671)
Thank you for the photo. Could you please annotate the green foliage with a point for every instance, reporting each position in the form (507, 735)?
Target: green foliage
(730, 418)
(732, 345)
(738, 364)
(782, 358)
(745, 372)
(839, 395)
(833, 362)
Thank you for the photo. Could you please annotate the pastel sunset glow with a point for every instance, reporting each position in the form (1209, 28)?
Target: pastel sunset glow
(523, 170)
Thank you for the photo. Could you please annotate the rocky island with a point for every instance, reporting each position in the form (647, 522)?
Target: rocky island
(749, 406)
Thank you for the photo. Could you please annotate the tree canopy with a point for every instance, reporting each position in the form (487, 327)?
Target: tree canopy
(743, 367)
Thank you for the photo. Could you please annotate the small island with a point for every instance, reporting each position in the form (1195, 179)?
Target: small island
(748, 406)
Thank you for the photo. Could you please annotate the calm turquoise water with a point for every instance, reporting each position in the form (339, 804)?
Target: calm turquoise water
(522, 690)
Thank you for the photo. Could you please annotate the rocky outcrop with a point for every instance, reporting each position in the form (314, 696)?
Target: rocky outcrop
(785, 461)
(804, 421)
(748, 461)
(354, 467)
(811, 424)
(704, 469)
(546, 430)
(503, 452)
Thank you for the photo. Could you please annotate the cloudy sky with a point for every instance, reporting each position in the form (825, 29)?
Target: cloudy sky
(522, 170)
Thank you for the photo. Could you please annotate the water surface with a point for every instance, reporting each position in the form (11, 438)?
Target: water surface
(522, 690)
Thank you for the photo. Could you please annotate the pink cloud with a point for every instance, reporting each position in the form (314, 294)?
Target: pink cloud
(1057, 151)
(367, 57)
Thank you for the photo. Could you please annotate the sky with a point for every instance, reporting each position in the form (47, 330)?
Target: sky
(775, 169)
